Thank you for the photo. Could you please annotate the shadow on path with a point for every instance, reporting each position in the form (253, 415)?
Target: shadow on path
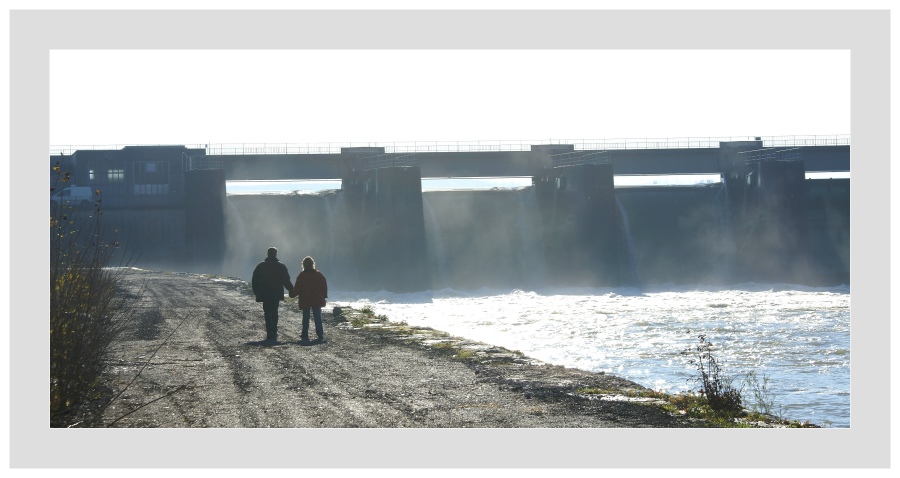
(302, 343)
(265, 343)
(309, 343)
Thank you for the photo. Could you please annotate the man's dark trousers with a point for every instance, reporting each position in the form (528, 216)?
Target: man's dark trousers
(270, 308)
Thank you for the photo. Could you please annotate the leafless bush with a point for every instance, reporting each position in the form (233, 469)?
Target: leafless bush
(721, 395)
(87, 309)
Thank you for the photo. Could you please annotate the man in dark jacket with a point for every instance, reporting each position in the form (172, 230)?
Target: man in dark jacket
(270, 279)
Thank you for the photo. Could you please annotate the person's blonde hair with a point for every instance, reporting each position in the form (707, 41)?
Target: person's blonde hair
(309, 263)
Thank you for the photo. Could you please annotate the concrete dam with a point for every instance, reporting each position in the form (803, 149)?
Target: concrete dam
(763, 221)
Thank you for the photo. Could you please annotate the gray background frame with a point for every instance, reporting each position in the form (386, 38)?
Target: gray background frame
(866, 34)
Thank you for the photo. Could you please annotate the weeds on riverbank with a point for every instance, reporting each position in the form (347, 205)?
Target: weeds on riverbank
(87, 311)
(722, 397)
(721, 402)
(763, 400)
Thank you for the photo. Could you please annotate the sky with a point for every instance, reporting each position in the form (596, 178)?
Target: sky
(109, 97)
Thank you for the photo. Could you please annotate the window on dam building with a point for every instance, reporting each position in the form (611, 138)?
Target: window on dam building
(109, 176)
(151, 177)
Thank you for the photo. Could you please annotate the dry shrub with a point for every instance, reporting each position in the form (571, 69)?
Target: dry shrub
(721, 395)
(87, 308)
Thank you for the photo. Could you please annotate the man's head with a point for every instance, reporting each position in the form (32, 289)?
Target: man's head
(273, 252)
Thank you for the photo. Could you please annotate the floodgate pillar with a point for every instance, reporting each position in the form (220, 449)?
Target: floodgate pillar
(385, 207)
(205, 215)
(582, 233)
(767, 194)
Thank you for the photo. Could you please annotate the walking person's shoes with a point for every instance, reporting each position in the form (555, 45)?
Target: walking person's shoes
(321, 338)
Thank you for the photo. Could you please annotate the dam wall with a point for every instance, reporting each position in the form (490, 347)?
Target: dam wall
(498, 238)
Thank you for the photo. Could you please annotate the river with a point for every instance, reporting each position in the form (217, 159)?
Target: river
(796, 338)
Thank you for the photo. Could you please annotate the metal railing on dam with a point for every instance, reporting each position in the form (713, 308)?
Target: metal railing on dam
(224, 149)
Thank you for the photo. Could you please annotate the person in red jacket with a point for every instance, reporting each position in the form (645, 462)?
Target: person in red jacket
(312, 289)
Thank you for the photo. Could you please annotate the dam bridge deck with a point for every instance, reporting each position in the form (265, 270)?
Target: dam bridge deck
(242, 161)
(481, 164)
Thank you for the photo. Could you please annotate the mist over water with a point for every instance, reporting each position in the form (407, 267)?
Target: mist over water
(489, 283)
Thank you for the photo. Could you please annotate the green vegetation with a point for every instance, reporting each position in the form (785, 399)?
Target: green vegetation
(366, 317)
(359, 322)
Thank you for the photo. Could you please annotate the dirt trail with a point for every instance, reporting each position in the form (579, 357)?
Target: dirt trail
(209, 370)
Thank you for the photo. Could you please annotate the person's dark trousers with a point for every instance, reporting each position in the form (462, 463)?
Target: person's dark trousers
(270, 308)
(317, 317)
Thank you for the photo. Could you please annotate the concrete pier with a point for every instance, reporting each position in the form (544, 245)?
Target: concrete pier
(582, 233)
(205, 215)
(385, 206)
(769, 216)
